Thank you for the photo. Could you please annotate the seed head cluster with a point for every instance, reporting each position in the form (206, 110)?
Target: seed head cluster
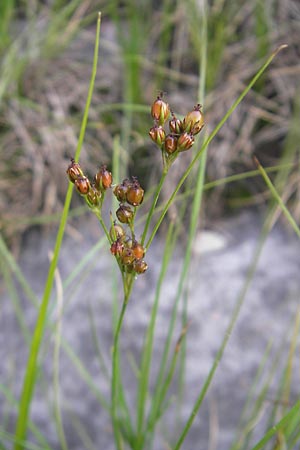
(128, 251)
(124, 245)
(180, 136)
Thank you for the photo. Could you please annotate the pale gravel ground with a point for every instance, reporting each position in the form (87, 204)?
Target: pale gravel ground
(216, 279)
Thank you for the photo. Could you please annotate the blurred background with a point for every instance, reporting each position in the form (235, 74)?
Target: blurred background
(46, 50)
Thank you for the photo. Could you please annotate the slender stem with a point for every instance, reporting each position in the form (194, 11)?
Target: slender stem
(31, 367)
(151, 211)
(114, 379)
(102, 223)
(277, 197)
(128, 281)
(279, 426)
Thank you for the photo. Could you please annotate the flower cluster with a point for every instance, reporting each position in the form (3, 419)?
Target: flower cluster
(93, 192)
(181, 132)
(128, 251)
(125, 247)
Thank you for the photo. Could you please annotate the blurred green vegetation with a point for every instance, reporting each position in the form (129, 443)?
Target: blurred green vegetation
(147, 47)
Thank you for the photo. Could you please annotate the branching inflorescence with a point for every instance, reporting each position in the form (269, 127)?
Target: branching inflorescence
(129, 251)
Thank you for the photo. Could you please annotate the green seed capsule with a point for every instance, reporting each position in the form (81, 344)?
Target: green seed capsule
(160, 110)
(185, 141)
(93, 197)
(175, 125)
(194, 120)
(157, 134)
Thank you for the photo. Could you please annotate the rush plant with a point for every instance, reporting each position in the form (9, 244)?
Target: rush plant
(173, 137)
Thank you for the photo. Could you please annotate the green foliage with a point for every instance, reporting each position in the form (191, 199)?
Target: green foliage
(6, 14)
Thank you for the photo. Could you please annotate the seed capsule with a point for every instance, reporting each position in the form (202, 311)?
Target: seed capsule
(160, 110)
(103, 178)
(171, 143)
(175, 125)
(135, 193)
(124, 214)
(93, 197)
(194, 121)
(185, 141)
(140, 266)
(82, 185)
(157, 134)
(120, 190)
(117, 248)
(117, 232)
(74, 171)
(127, 256)
(138, 250)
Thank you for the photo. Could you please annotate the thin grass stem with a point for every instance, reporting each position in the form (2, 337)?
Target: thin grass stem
(148, 345)
(56, 365)
(228, 332)
(279, 426)
(115, 379)
(153, 205)
(31, 367)
(277, 197)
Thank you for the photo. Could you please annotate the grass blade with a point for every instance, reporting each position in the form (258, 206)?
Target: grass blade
(277, 197)
(31, 368)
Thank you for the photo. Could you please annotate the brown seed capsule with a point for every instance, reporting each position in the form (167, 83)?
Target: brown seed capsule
(124, 214)
(117, 232)
(135, 193)
(175, 125)
(127, 256)
(194, 121)
(171, 143)
(120, 190)
(140, 266)
(185, 141)
(138, 250)
(82, 185)
(157, 134)
(160, 110)
(117, 248)
(74, 171)
(93, 196)
(103, 178)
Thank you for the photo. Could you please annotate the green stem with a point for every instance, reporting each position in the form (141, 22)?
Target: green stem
(102, 223)
(277, 197)
(151, 211)
(278, 427)
(128, 281)
(31, 367)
